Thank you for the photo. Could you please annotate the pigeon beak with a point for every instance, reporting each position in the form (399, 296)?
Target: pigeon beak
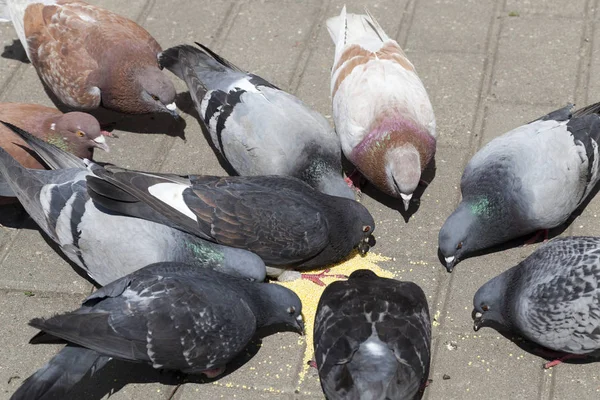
(450, 262)
(172, 108)
(300, 324)
(363, 246)
(406, 200)
(101, 143)
(478, 321)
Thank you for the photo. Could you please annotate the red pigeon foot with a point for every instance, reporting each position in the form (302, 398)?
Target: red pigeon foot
(356, 180)
(312, 363)
(537, 236)
(109, 134)
(560, 360)
(316, 278)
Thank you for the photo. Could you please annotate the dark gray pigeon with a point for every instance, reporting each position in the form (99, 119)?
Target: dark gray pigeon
(107, 245)
(372, 339)
(258, 128)
(282, 219)
(551, 298)
(531, 178)
(170, 315)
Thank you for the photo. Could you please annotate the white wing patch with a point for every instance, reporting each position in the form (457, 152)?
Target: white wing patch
(172, 194)
(243, 84)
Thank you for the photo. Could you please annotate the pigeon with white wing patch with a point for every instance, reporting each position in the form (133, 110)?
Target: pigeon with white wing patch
(107, 245)
(169, 315)
(531, 178)
(290, 225)
(552, 298)
(372, 339)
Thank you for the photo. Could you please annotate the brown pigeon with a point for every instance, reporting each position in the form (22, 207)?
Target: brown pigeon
(380, 106)
(76, 132)
(89, 56)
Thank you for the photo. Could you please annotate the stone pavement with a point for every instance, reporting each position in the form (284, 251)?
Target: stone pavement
(488, 66)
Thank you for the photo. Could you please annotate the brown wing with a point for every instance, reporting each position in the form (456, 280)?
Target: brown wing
(56, 39)
(356, 55)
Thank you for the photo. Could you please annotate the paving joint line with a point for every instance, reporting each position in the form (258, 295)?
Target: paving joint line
(307, 52)
(478, 122)
(586, 46)
(405, 26)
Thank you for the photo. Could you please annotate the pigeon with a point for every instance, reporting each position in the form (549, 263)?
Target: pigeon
(372, 339)
(529, 179)
(76, 132)
(551, 298)
(256, 127)
(169, 315)
(380, 107)
(105, 244)
(286, 222)
(88, 56)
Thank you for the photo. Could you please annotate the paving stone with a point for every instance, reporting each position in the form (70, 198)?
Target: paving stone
(254, 37)
(576, 381)
(447, 25)
(483, 367)
(453, 83)
(32, 264)
(19, 358)
(503, 117)
(537, 59)
(575, 8)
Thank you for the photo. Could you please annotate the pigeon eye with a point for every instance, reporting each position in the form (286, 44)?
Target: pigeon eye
(459, 246)
(366, 228)
(485, 308)
(80, 133)
(291, 310)
(155, 97)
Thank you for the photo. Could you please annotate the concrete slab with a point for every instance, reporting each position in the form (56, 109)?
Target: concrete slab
(537, 59)
(555, 7)
(445, 25)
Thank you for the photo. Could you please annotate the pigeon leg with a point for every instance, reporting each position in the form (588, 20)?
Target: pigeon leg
(316, 278)
(560, 360)
(355, 180)
(312, 363)
(537, 235)
(214, 372)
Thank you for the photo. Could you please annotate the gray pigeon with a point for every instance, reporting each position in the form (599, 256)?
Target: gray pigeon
(258, 128)
(170, 315)
(286, 222)
(107, 245)
(531, 178)
(372, 339)
(552, 298)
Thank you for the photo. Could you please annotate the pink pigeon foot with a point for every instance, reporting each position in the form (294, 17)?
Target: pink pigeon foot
(316, 278)
(213, 373)
(355, 180)
(537, 235)
(312, 363)
(560, 360)
(109, 134)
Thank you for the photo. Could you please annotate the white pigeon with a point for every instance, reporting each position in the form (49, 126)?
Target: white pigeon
(380, 107)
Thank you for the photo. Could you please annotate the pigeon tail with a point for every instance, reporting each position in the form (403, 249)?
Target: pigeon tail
(60, 374)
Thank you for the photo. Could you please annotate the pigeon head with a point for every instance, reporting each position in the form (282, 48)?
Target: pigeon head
(467, 229)
(489, 303)
(157, 91)
(242, 263)
(140, 91)
(403, 169)
(80, 132)
(280, 305)
(360, 225)
(362, 274)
